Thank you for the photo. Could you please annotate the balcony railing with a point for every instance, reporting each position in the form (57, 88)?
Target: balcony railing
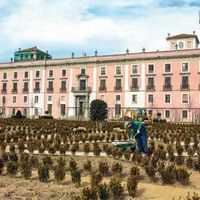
(36, 89)
(25, 90)
(167, 87)
(102, 89)
(4, 91)
(14, 90)
(150, 88)
(118, 88)
(49, 90)
(78, 89)
(185, 87)
(63, 90)
(134, 87)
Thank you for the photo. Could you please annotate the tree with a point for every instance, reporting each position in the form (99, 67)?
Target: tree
(98, 110)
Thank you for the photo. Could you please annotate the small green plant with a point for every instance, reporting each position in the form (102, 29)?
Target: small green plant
(43, 172)
(103, 168)
(103, 191)
(116, 188)
(183, 175)
(60, 170)
(87, 166)
(135, 172)
(74, 148)
(72, 165)
(96, 178)
(76, 177)
(12, 168)
(86, 148)
(89, 194)
(168, 174)
(25, 166)
(132, 186)
(117, 168)
(96, 149)
(47, 161)
(150, 171)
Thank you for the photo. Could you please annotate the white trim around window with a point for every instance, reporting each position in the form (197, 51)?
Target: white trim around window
(187, 114)
(132, 69)
(170, 98)
(62, 71)
(116, 70)
(182, 98)
(105, 70)
(170, 113)
(154, 66)
(53, 73)
(182, 66)
(170, 67)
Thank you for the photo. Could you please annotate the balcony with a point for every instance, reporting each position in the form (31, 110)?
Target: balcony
(134, 87)
(4, 91)
(102, 89)
(14, 90)
(81, 90)
(167, 87)
(185, 87)
(118, 88)
(63, 90)
(50, 90)
(150, 87)
(25, 90)
(36, 90)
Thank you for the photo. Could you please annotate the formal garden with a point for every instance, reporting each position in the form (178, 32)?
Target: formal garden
(78, 160)
(81, 155)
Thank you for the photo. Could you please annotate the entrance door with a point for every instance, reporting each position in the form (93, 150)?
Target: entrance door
(81, 108)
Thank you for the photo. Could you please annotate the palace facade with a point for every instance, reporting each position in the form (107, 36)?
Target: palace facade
(166, 82)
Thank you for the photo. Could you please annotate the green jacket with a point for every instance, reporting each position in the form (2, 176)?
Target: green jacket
(135, 127)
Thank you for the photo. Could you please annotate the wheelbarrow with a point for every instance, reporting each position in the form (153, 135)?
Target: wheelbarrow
(125, 145)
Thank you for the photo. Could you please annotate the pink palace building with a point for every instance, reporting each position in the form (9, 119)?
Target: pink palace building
(165, 82)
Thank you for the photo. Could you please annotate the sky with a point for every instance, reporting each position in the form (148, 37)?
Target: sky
(108, 26)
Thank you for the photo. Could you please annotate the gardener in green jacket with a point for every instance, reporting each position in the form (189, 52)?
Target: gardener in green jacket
(138, 131)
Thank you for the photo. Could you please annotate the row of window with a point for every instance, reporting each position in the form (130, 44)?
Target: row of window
(167, 98)
(150, 69)
(63, 87)
(167, 112)
(118, 71)
(35, 100)
(37, 74)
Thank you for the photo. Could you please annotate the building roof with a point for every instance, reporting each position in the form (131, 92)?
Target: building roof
(183, 36)
(186, 53)
(31, 50)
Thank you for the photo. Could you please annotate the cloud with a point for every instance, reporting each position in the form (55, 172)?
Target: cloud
(86, 26)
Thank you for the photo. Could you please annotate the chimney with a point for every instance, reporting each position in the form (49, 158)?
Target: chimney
(11, 59)
(19, 49)
(168, 34)
(35, 47)
(96, 53)
(143, 50)
(194, 32)
(84, 54)
(72, 54)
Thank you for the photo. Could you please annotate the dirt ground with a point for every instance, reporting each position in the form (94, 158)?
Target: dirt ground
(18, 188)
